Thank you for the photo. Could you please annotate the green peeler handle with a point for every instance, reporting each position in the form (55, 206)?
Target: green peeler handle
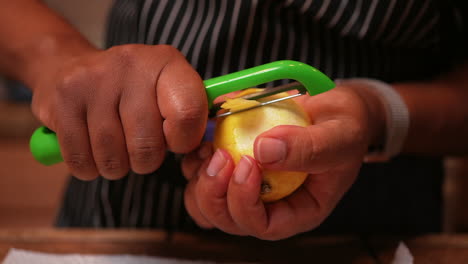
(44, 146)
(46, 150)
(312, 79)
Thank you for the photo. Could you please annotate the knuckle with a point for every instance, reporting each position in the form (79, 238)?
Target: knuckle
(125, 54)
(143, 153)
(146, 150)
(107, 160)
(78, 161)
(111, 167)
(36, 106)
(188, 113)
(110, 164)
(314, 148)
(38, 112)
(75, 80)
(43, 113)
(104, 138)
(72, 79)
(166, 49)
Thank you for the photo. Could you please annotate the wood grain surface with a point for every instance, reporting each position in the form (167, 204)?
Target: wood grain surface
(213, 247)
(434, 248)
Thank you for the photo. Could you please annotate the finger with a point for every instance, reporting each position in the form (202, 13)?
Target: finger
(245, 205)
(211, 192)
(192, 162)
(183, 104)
(191, 204)
(142, 124)
(43, 111)
(108, 141)
(309, 205)
(73, 137)
(300, 212)
(314, 149)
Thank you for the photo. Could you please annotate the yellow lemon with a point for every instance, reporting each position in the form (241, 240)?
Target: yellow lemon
(236, 134)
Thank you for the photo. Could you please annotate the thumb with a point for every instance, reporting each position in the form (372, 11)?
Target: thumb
(41, 109)
(314, 149)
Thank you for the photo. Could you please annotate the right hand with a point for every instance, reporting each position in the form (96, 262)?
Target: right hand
(122, 108)
(226, 195)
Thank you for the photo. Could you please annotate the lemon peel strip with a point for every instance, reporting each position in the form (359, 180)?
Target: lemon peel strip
(237, 103)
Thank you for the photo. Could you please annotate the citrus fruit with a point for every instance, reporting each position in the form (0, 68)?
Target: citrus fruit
(236, 134)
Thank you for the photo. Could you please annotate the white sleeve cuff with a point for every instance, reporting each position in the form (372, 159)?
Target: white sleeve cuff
(396, 117)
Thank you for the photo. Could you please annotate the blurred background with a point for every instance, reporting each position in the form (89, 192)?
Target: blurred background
(30, 193)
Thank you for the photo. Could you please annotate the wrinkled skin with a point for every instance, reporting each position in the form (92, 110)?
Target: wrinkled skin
(122, 108)
(331, 150)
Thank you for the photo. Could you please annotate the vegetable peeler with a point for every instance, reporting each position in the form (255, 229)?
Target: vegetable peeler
(45, 147)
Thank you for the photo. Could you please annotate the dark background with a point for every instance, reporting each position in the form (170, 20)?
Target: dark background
(30, 193)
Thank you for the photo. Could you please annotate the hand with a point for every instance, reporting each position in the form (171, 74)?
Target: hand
(345, 121)
(122, 108)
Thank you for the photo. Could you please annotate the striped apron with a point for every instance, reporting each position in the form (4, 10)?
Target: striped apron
(392, 40)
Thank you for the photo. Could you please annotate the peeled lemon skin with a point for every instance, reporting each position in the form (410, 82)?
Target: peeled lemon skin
(236, 134)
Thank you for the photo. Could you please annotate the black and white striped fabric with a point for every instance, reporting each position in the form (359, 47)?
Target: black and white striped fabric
(391, 40)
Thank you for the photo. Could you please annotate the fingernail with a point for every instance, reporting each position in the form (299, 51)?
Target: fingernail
(270, 150)
(243, 170)
(216, 164)
(205, 151)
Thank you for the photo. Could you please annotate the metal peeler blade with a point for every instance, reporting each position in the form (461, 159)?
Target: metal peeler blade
(46, 149)
(265, 93)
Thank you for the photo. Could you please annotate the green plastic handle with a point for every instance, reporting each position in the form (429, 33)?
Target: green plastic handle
(46, 150)
(44, 146)
(312, 79)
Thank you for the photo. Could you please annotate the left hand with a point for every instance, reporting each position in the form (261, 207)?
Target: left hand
(331, 150)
